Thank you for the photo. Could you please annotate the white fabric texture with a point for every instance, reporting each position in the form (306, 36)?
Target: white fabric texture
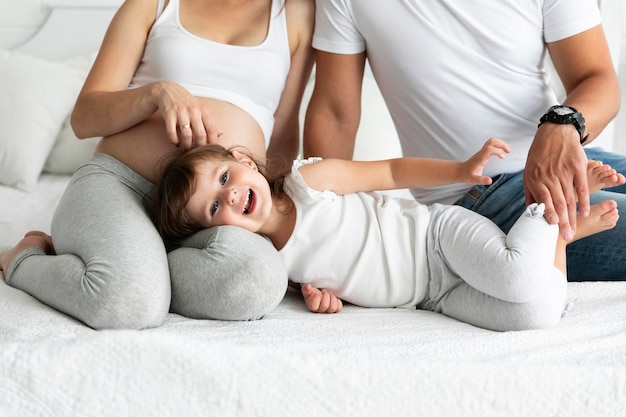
(36, 98)
(448, 94)
(367, 362)
(369, 249)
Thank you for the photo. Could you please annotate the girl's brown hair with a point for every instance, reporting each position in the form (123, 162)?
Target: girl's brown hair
(178, 183)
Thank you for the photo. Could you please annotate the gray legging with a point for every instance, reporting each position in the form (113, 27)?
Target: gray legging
(111, 268)
(483, 277)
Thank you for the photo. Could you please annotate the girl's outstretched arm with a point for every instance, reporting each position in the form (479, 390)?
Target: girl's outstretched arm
(344, 177)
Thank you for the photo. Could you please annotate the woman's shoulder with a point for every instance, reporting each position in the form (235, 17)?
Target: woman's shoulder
(142, 13)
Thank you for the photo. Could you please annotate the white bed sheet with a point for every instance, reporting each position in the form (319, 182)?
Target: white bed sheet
(365, 362)
(22, 211)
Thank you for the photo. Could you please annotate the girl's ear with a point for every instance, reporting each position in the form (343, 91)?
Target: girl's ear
(244, 159)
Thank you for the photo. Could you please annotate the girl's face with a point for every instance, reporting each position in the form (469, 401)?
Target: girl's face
(230, 192)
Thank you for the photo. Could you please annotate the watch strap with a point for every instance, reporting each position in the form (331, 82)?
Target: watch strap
(574, 117)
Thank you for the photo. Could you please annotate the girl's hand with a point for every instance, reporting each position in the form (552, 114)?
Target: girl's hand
(320, 301)
(188, 122)
(472, 169)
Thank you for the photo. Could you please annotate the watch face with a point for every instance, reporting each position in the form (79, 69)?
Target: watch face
(562, 111)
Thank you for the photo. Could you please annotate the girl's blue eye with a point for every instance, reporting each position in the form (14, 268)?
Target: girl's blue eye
(214, 208)
(215, 205)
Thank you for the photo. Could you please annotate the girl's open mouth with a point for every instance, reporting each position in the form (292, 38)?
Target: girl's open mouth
(248, 206)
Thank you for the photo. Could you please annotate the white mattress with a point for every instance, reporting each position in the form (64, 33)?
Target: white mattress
(365, 362)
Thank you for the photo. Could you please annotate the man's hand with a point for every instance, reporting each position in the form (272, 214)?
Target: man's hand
(556, 175)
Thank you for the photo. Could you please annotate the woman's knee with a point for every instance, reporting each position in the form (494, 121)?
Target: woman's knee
(126, 294)
(128, 308)
(226, 273)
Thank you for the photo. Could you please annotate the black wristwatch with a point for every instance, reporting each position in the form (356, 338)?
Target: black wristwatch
(565, 115)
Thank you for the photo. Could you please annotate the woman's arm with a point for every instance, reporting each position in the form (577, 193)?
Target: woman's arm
(345, 177)
(106, 106)
(285, 141)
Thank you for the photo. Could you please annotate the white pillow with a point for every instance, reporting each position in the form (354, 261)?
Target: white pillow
(69, 152)
(36, 97)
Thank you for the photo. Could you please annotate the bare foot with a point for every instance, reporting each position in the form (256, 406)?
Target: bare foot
(603, 216)
(601, 176)
(35, 238)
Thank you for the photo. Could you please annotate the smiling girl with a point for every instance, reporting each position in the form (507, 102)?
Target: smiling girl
(334, 232)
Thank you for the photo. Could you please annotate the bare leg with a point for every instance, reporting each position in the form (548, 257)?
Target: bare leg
(34, 238)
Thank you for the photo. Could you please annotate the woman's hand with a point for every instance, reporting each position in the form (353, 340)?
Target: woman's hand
(472, 169)
(320, 301)
(188, 122)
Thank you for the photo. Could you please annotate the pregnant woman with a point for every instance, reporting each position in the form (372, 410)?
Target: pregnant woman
(170, 75)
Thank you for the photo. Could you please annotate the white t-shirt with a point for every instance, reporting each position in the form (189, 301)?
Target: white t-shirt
(455, 72)
(367, 248)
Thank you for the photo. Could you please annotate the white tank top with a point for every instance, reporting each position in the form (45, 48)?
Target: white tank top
(250, 77)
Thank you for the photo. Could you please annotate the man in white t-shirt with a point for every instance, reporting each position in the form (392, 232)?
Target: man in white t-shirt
(454, 73)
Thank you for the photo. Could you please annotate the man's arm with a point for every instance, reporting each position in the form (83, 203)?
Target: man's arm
(285, 141)
(334, 112)
(556, 169)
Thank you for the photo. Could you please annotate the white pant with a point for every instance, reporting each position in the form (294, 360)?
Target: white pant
(483, 277)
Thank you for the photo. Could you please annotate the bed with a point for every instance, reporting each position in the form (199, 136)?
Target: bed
(374, 362)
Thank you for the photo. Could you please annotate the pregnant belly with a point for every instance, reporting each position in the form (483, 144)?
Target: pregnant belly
(145, 147)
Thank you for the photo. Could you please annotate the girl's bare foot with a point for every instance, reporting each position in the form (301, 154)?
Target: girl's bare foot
(603, 216)
(601, 176)
(35, 238)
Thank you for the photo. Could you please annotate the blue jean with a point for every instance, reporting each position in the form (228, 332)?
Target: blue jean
(600, 257)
